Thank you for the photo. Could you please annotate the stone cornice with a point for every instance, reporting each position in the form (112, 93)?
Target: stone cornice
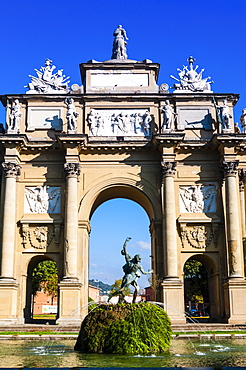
(168, 140)
(74, 140)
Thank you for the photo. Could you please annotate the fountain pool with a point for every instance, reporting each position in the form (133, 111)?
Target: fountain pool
(60, 353)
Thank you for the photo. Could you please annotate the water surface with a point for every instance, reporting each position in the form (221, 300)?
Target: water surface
(60, 353)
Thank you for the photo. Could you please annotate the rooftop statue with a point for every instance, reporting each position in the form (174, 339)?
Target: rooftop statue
(119, 44)
(131, 270)
(46, 82)
(189, 79)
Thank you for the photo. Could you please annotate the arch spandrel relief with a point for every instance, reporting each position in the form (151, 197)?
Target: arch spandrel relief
(42, 199)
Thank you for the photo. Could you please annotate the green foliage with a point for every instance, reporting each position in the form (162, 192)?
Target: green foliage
(137, 328)
(116, 286)
(196, 272)
(45, 276)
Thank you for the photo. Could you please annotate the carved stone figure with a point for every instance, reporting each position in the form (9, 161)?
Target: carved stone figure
(42, 199)
(243, 121)
(92, 122)
(41, 233)
(131, 270)
(168, 118)
(225, 116)
(147, 119)
(46, 82)
(71, 115)
(14, 118)
(198, 198)
(189, 79)
(236, 128)
(119, 44)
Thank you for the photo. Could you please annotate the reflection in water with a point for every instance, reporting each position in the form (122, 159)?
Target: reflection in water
(33, 353)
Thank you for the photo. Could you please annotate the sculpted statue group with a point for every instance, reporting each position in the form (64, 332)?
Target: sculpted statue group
(132, 270)
(46, 82)
(189, 79)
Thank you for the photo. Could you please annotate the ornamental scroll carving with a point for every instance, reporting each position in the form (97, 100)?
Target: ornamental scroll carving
(198, 236)
(72, 169)
(40, 237)
(198, 198)
(42, 199)
(11, 169)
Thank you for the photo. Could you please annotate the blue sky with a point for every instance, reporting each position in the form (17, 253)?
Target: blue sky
(167, 32)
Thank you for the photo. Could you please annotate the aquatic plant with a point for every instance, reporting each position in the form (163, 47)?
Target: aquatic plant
(137, 328)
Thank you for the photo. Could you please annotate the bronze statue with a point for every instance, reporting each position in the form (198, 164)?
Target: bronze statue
(131, 270)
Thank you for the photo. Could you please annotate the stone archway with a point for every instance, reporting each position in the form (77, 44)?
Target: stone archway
(213, 284)
(127, 188)
(33, 262)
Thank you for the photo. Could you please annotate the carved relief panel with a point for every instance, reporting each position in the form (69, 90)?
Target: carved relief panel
(199, 236)
(40, 236)
(42, 199)
(119, 122)
(198, 198)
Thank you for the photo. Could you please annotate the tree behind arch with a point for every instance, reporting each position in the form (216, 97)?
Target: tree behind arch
(45, 277)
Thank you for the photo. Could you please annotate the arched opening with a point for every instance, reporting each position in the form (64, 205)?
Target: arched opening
(201, 292)
(41, 291)
(111, 223)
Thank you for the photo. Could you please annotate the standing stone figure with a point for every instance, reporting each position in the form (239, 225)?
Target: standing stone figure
(119, 44)
(92, 122)
(131, 270)
(71, 115)
(147, 119)
(14, 118)
(168, 118)
(225, 116)
(243, 121)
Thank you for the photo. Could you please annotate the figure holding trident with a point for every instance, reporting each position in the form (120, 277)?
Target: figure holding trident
(131, 270)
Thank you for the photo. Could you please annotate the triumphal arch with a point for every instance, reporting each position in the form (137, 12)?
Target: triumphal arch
(176, 152)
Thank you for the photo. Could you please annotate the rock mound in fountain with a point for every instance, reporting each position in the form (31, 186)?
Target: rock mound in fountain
(136, 328)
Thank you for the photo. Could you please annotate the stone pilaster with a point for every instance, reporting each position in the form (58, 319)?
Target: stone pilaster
(12, 171)
(242, 181)
(8, 284)
(72, 171)
(70, 286)
(169, 219)
(232, 216)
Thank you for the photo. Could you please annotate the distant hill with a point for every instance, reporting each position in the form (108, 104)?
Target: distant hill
(105, 288)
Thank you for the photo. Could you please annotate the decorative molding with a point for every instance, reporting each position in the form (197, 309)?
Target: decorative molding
(11, 169)
(168, 169)
(229, 168)
(72, 169)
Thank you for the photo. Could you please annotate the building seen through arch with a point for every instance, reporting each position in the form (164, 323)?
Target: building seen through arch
(177, 153)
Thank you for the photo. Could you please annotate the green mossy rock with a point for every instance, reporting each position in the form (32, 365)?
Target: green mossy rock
(136, 328)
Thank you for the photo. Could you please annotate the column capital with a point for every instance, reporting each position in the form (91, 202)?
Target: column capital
(72, 169)
(168, 169)
(242, 178)
(11, 169)
(229, 168)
